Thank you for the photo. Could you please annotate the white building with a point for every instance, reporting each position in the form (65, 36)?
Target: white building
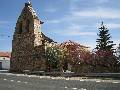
(118, 51)
(4, 60)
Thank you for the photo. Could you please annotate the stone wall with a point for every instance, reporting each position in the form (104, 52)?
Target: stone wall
(28, 44)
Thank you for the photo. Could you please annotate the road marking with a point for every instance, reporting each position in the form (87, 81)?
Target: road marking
(29, 76)
(74, 88)
(18, 81)
(8, 74)
(82, 89)
(98, 81)
(115, 82)
(11, 80)
(66, 87)
(52, 78)
(25, 82)
(18, 75)
(5, 79)
(81, 80)
(67, 79)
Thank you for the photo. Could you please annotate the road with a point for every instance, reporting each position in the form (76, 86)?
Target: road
(10, 81)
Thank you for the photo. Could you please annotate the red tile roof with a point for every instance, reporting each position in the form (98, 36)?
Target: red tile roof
(5, 54)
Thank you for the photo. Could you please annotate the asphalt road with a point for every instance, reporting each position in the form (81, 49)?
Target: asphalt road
(29, 82)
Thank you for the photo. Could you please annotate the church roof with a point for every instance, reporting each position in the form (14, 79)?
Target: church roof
(29, 9)
(46, 38)
(72, 43)
(5, 54)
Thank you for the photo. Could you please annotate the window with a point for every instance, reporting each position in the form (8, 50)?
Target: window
(20, 27)
(27, 25)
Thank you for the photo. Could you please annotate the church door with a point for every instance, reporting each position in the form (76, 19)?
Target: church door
(0, 65)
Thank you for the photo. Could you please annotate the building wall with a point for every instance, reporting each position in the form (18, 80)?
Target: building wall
(28, 48)
(118, 51)
(5, 62)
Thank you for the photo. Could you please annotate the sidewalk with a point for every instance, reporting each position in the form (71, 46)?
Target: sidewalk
(4, 71)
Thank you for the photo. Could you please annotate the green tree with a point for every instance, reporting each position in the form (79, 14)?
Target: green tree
(55, 56)
(103, 42)
(52, 57)
(106, 60)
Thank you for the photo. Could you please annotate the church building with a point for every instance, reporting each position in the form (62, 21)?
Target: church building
(28, 44)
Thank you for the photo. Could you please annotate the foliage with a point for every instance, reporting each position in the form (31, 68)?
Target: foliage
(104, 43)
(77, 54)
(104, 54)
(54, 56)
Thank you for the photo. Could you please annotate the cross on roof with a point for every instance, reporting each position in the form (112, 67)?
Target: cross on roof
(30, 1)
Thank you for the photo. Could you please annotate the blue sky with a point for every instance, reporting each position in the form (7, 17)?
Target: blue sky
(76, 20)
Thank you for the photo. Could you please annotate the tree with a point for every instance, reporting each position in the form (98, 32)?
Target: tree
(77, 55)
(104, 50)
(104, 43)
(55, 56)
(52, 57)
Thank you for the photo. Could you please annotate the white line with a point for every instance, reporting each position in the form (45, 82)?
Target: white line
(29, 76)
(18, 75)
(5, 79)
(74, 88)
(81, 80)
(52, 78)
(25, 82)
(115, 82)
(82, 89)
(98, 81)
(11, 80)
(67, 79)
(18, 81)
(66, 87)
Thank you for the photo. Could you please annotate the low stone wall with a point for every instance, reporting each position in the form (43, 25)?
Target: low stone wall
(72, 74)
(111, 75)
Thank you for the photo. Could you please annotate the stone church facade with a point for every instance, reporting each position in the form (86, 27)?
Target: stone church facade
(28, 44)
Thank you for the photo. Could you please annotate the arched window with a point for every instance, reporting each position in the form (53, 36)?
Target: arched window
(20, 27)
(27, 25)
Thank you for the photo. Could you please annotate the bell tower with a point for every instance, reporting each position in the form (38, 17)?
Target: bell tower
(27, 44)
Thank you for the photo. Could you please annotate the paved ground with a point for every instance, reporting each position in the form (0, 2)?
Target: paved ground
(10, 81)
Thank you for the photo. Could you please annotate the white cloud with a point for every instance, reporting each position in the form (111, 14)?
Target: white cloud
(98, 13)
(78, 33)
(113, 25)
(102, 1)
(92, 14)
(90, 44)
(4, 22)
(74, 27)
(110, 26)
(117, 42)
(51, 10)
(74, 30)
(75, 0)
(53, 21)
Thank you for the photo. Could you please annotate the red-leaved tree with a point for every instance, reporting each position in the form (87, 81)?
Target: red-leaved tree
(77, 54)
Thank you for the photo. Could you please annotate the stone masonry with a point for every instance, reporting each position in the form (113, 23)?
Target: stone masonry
(28, 44)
